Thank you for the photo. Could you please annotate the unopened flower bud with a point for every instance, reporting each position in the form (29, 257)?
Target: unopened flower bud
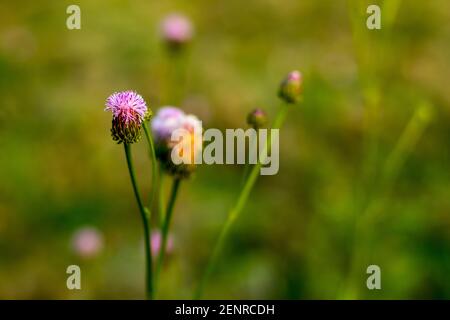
(291, 88)
(257, 118)
(129, 110)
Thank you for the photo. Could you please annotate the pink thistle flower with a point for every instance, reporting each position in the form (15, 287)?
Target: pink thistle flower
(176, 29)
(129, 110)
(87, 242)
(191, 123)
(166, 122)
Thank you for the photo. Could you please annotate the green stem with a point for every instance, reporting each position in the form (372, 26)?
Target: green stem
(366, 222)
(154, 165)
(236, 210)
(166, 225)
(376, 180)
(245, 173)
(161, 207)
(411, 134)
(253, 149)
(145, 222)
(177, 62)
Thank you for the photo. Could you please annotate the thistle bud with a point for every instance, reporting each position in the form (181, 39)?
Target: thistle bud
(129, 110)
(291, 88)
(257, 118)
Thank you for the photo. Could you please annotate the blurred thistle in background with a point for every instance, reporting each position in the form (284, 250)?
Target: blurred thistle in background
(167, 121)
(176, 30)
(87, 242)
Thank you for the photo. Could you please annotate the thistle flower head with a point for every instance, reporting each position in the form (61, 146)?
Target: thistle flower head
(176, 29)
(291, 88)
(87, 242)
(257, 118)
(192, 124)
(167, 121)
(129, 110)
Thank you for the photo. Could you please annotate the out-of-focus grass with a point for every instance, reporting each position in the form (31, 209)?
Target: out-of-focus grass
(60, 170)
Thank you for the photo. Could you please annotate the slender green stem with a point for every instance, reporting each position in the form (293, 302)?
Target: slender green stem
(413, 131)
(372, 57)
(145, 222)
(373, 211)
(166, 225)
(245, 173)
(161, 198)
(236, 210)
(253, 149)
(177, 63)
(154, 165)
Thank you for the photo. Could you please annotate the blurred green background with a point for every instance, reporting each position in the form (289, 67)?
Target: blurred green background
(60, 170)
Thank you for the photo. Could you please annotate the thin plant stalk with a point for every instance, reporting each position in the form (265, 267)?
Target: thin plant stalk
(166, 225)
(161, 198)
(237, 209)
(145, 222)
(373, 211)
(253, 147)
(177, 65)
(154, 165)
(374, 175)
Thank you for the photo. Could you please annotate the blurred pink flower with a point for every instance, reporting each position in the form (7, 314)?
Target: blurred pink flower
(176, 29)
(167, 120)
(156, 242)
(87, 242)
